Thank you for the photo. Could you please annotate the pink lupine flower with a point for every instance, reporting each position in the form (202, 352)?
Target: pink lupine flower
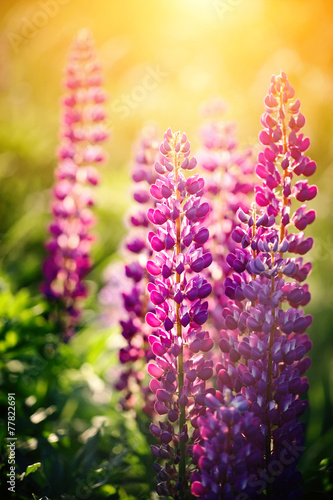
(229, 183)
(180, 370)
(135, 302)
(82, 132)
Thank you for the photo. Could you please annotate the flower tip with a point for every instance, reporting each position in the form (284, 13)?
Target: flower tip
(168, 133)
(283, 76)
(84, 39)
(212, 402)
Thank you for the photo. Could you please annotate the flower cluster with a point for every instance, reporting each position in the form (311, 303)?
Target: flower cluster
(229, 180)
(137, 352)
(200, 250)
(228, 457)
(263, 342)
(179, 292)
(82, 133)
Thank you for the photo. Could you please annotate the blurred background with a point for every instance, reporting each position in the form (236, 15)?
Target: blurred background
(193, 50)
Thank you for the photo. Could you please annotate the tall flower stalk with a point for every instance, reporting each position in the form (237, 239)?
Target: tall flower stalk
(179, 372)
(134, 356)
(229, 185)
(264, 344)
(82, 132)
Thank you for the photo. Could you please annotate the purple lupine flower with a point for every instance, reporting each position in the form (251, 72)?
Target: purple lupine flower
(82, 132)
(135, 303)
(228, 457)
(109, 298)
(229, 180)
(179, 292)
(264, 342)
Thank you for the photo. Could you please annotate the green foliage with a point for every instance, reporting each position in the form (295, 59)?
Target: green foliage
(31, 468)
(72, 441)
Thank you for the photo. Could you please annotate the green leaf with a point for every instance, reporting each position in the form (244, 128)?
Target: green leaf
(32, 468)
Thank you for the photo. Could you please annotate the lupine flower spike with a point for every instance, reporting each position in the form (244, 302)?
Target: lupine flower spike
(264, 341)
(227, 456)
(229, 183)
(82, 132)
(136, 304)
(180, 371)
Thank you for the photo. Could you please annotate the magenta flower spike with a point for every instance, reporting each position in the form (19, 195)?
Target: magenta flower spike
(136, 248)
(264, 341)
(82, 132)
(229, 182)
(180, 370)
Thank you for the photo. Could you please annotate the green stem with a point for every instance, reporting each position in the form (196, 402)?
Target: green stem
(285, 200)
(269, 390)
(182, 416)
(182, 463)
